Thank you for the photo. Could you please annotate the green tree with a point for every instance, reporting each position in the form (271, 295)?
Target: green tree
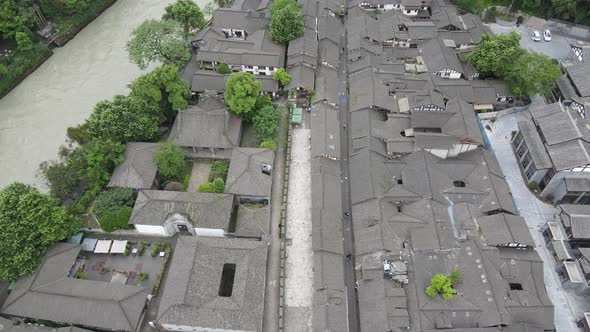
(443, 285)
(63, 178)
(115, 219)
(11, 21)
(164, 87)
(170, 161)
(208, 9)
(223, 68)
(282, 76)
(187, 13)
(269, 145)
(494, 55)
(30, 223)
(23, 42)
(262, 101)
(158, 41)
(101, 156)
(75, 6)
(124, 119)
(286, 24)
(3, 70)
(564, 9)
(216, 186)
(266, 123)
(533, 73)
(219, 169)
(241, 91)
(277, 5)
(111, 200)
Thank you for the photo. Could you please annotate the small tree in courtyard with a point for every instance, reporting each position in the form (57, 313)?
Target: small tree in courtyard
(282, 76)
(170, 161)
(241, 92)
(443, 285)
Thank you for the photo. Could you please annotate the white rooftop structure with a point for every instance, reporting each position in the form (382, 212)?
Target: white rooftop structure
(118, 246)
(103, 246)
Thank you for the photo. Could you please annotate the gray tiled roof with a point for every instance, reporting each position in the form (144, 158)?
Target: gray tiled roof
(195, 127)
(190, 295)
(367, 90)
(205, 210)
(580, 76)
(138, 170)
(49, 294)
(245, 175)
(535, 145)
(302, 76)
(303, 49)
(7, 325)
(502, 228)
(325, 131)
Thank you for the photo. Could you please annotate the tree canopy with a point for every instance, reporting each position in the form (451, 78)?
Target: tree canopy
(170, 161)
(442, 284)
(223, 68)
(282, 76)
(158, 41)
(23, 41)
(187, 13)
(125, 119)
(164, 87)
(11, 21)
(286, 24)
(494, 54)
(532, 74)
(215, 186)
(266, 122)
(30, 223)
(241, 91)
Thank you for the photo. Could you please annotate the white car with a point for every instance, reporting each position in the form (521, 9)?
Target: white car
(547, 35)
(536, 36)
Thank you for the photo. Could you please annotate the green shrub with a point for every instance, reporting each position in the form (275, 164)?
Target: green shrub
(533, 186)
(219, 169)
(20, 64)
(216, 186)
(266, 123)
(223, 68)
(155, 249)
(170, 161)
(117, 219)
(82, 275)
(111, 200)
(141, 249)
(104, 270)
(443, 285)
(143, 276)
(269, 145)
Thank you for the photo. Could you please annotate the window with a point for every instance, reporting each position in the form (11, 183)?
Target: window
(459, 184)
(226, 285)
(515, 286)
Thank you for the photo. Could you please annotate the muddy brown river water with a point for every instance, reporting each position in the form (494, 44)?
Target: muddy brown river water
(61, 93)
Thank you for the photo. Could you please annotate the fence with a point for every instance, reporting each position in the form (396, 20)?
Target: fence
(569, 29)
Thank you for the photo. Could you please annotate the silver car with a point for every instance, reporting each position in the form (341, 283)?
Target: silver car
(547, 35)
(536, 36)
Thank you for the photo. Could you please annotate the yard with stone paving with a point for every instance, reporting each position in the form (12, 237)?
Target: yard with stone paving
(102, 267)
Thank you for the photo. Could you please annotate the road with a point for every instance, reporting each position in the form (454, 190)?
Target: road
(347, 229)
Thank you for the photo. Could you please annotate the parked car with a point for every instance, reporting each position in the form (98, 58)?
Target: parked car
(536, 36)
(547, 35)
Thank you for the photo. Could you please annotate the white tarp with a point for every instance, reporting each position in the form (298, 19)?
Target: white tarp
(118, 246)
(103, 246)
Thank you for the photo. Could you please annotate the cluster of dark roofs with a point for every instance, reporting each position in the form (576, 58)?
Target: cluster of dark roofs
(427, 196)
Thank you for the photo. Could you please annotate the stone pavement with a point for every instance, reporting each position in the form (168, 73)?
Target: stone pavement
(568, 306)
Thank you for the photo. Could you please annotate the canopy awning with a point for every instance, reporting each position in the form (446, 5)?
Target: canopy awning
(118, 246)
(89, 244)
(103, 246)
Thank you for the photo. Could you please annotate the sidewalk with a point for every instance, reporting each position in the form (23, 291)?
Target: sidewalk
(568, 306)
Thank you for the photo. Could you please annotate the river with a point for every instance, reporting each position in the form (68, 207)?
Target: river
(62, 92)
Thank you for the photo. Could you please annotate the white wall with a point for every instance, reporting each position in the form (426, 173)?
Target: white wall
(151, 229)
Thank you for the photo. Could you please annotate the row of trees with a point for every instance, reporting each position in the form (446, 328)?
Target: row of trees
(501, 56)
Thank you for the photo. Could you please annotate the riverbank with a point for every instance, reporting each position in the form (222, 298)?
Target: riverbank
(25, 64)
(62, 92)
